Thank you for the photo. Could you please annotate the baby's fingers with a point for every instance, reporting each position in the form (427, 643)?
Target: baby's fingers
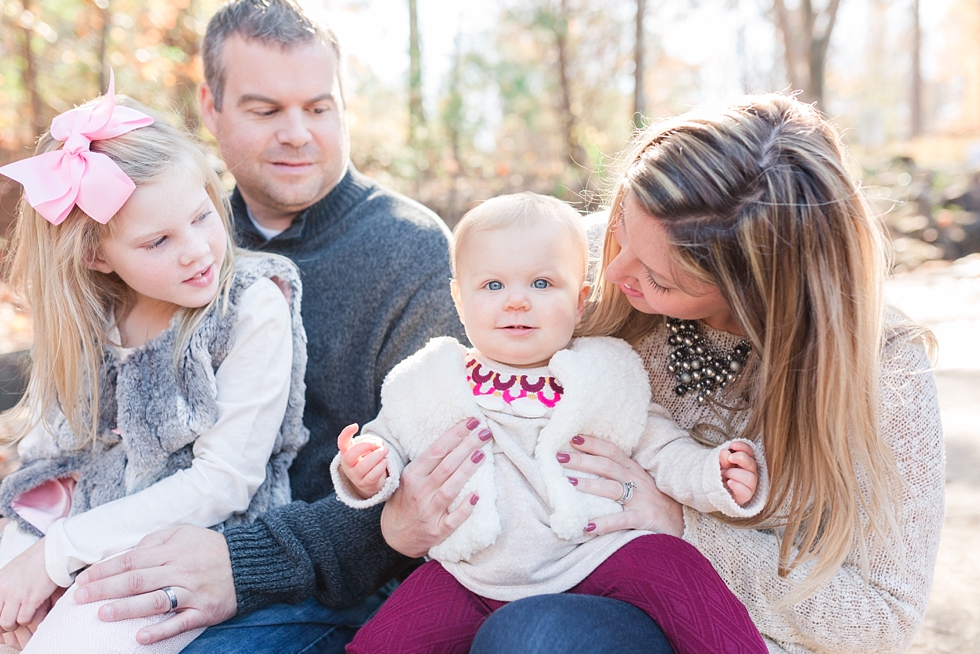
(742, 460)
(8, 615)
(374, 476)
(343, 441)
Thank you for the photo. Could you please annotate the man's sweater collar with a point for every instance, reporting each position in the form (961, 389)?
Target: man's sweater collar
(313, 220)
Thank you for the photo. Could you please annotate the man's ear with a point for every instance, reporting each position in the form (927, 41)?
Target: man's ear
(454, 290)
(205, 99)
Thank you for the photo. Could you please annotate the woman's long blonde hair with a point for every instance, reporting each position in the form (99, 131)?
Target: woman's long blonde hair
(756, 199)
(73, 308)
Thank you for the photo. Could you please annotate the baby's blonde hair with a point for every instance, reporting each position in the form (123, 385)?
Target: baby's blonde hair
(73, 306)
(520, 209)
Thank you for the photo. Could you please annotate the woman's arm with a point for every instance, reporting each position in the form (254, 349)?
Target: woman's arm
(229, 460)
(853, 613)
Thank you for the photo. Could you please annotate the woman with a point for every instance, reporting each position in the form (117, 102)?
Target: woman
(743, 226)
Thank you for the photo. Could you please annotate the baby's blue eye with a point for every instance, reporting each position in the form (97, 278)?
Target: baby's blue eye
(540, 283)
(494, 286)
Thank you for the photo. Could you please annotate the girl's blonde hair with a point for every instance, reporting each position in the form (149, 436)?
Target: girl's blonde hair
(74, 307)
(756, 199)
(522, 209)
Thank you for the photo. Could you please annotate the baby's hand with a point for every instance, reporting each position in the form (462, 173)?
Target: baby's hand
(364, 462)
(24, 588)
(739, 472)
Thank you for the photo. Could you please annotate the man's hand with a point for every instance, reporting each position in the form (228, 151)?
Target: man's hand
(364, 462)
(192, 561)
(417, 517)
(739, 472)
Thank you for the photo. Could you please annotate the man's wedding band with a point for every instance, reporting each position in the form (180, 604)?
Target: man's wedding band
(628, 488)
(172, 596)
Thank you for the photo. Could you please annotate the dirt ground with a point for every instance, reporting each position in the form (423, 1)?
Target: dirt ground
(946, 298)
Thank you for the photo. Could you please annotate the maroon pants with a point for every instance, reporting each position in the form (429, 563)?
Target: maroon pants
(662, 575)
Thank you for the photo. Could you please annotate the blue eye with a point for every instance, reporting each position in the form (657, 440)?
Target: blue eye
(541, 283)
(494, 286)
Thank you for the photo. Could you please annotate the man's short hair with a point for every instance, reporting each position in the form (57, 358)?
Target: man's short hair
(279, 23)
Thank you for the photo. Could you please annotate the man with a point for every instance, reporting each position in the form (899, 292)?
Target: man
(376, 287)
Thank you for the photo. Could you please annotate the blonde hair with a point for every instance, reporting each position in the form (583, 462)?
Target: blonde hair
(756, 199)
(74, 307)
(521, 209)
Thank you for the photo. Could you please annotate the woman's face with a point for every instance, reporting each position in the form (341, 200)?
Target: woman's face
(645, 272)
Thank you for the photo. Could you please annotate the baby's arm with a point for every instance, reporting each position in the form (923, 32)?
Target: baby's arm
(700, 476)
(229, 459)
(365, 462)
(739, 471)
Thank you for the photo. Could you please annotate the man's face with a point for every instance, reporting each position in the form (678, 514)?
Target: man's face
(281, 128)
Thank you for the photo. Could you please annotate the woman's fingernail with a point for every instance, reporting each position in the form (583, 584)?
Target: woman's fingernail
(485, 434)
(472, 424)
(578, 440)
(563, 458)
(477, 456)
(590, 527)
(573, 481)
(474, 498)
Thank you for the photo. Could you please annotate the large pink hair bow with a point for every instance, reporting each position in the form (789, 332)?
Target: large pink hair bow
(54, 182)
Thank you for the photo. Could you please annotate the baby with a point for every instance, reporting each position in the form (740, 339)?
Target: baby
(519, 263)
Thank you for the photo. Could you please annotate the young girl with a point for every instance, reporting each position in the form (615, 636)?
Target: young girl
(519, 264)
(167, 379)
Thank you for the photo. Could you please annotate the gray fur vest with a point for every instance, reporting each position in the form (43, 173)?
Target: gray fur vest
(150, 413)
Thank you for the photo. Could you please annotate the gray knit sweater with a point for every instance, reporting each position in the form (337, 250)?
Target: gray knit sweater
(151, 412)
(375, 271)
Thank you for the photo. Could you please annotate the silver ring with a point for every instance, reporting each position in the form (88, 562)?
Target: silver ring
(172, 596)
(628, 488)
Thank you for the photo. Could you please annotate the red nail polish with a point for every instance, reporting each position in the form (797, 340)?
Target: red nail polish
(484, 435)
(578, 440)
(472, 424)
(563, 458)
(474, 498)
(477, 456)
(590, 527)
(573, 481)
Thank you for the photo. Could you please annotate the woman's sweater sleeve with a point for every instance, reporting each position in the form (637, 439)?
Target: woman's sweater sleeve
(852, 612)
(229, 459)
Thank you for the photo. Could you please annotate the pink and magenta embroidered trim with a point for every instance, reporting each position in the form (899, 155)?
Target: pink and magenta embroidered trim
(484, 381)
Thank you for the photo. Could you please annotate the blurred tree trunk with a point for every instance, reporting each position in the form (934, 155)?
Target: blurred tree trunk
(806, 37)
(452, 119)
(639, 97)
(102, 6)
(916, 99)
(29, 69)
(415, 110)
(182, 35)
(577, 157)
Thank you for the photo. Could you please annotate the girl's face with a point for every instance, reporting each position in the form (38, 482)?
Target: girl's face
(167, 244)
(644, 271)
(520, 292)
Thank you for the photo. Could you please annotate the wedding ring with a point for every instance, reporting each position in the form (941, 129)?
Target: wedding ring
(172, 596)
(628, 488)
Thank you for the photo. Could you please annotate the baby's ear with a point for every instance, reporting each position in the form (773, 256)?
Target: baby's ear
(454, 290)
(583, 297)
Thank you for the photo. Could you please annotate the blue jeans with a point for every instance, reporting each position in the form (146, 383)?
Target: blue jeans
(307, 628)
(569, 624)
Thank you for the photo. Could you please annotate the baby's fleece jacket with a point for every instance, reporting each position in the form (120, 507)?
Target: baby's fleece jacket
(526, 534)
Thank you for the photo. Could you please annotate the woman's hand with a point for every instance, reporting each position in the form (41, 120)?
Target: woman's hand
(417, 517)
(648, 509)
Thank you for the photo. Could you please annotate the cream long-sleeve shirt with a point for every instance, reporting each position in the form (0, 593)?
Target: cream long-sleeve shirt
(850, 614)
(229, 459)
(528, 558)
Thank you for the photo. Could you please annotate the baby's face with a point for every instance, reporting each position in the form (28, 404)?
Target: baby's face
(519, 292)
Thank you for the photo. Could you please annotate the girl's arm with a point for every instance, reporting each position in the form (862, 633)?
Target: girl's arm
(851, 612)
(229, 460)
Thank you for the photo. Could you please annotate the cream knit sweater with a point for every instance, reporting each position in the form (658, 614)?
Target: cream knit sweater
(850, 613)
